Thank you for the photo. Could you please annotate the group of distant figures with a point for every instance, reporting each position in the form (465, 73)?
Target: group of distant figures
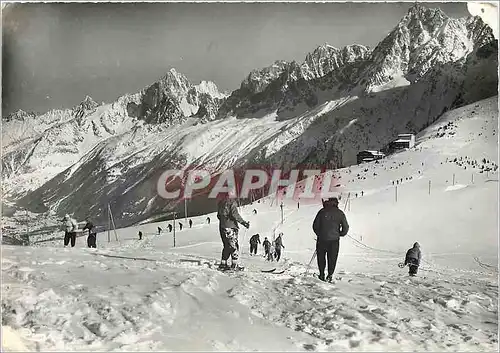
(170, 227)
(272, 250)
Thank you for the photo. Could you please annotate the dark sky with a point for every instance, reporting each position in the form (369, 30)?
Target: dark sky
(56, 54)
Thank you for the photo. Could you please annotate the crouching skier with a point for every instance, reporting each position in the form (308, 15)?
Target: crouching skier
(228, 216)
(91, 239)
(412, 259)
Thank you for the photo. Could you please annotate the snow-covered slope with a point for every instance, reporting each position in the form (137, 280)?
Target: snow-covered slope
(83, 159)
(149, 295)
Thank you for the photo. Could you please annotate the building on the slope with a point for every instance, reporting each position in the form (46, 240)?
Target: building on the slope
(403, 141)
(368, 156)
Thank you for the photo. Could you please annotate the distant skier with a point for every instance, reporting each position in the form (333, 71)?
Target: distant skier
(267, 247)
(140, 235)
(329, 225)
(254, 211)
(228, 216)
(71, 227)
(92, 238)
(278, 244)
(159, 230)
(208, 220)
(190, 223)
(180, 226)
(254, 241)
(412, 259)
(169, 227)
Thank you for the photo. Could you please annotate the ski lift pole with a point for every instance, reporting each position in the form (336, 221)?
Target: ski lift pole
(174, 229)
(109, 226)
(113, 222)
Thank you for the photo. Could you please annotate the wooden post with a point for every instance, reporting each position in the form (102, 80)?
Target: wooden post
(453, 178)
(396, 193)
(472, 179)
(281, 212)
(174, 229)
(429, 187)
(112, 222)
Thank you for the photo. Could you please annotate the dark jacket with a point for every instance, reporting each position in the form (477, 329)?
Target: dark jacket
(279, 243)
(90, 227)
(266, 244)
(330, 223)
(228, 215)
(255, 239)
(413, 254)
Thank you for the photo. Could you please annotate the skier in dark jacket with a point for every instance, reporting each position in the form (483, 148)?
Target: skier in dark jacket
(254, 240)
(140, 235)
(180, 226)
(91, 239)
(169, 227)
(228, 216)
(412, 259)
(329, 225)
(267, 247)
(190, 223)
(159, 230)
(278, 244)
(208, 220)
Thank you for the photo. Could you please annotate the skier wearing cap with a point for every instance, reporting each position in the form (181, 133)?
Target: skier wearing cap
(329, 225)
(229, 217)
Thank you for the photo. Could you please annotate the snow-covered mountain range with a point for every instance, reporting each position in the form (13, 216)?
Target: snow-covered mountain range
(323, 110)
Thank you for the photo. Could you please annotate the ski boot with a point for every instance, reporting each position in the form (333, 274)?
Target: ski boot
(321, 277)
(223, 267)
(329, 279)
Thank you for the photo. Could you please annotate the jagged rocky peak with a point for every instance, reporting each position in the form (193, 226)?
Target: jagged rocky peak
(210, 88)
(174, 82)
(424, 38)
(327, 58)
(258, 79)
(85, 106)
(20, 115)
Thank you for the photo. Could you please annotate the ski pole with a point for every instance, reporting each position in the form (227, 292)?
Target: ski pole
(310, 262)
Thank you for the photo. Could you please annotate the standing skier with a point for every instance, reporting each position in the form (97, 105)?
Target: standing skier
(140, 235)
(159, 230)
(228, 216)
(208, 220)
(190, 223)
(278, 244)
(254, 240)
(170, 228)
(91, 239)
(267, 247)
(329, 225)
(71, 227)
(412, 259)
(180, 226)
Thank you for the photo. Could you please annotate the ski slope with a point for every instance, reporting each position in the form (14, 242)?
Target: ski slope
(149, 295)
